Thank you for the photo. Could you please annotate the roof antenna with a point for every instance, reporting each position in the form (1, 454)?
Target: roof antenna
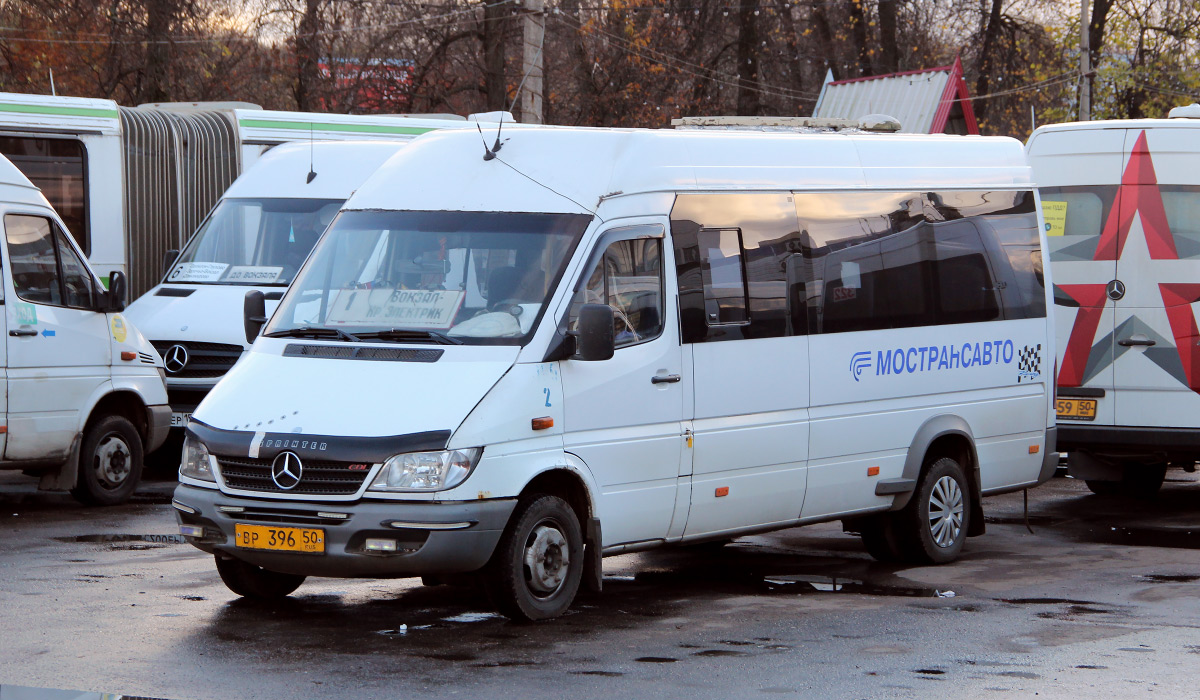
(312, 173)
(491, 152)
(52, 91)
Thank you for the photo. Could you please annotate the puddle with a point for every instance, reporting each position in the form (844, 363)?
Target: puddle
(118, 539)
(472, 617)
(655, 659)
(719, 652)
(930, 672)
(1147, 537)
(829, 584)
(606, 674)
(1046, 601)
(1168, 578)
(192, 597)
(1092, 667)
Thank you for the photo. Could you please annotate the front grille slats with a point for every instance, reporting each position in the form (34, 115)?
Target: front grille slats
(205, 360)
(319, 478)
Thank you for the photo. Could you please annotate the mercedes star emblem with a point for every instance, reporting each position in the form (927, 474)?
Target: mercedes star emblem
(286, 470)
(175, 359)
(1115, 290)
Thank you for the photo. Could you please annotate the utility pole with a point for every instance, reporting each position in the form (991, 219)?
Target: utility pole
(533, 40)
(1085, 67)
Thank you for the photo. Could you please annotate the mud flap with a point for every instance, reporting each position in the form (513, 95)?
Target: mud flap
(64, 477)
(593, 559)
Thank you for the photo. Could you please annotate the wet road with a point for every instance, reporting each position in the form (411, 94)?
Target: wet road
(1103, 599)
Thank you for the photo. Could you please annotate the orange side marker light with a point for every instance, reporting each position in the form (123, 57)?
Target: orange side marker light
(722, 491)
(1033, 449)
(542, 423)
(872, 471)
(128, 356)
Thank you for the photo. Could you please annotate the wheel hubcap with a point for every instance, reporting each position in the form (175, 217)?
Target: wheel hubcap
(945, 512)
(547, 559)
(113, 461)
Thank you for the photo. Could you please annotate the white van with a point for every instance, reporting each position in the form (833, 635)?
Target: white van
(255, 238)
(82, 394)
(601, 341)
(1122, 203)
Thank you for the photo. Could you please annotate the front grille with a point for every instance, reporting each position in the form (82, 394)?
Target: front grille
(204, 360)
(317, 479)
(185, 400)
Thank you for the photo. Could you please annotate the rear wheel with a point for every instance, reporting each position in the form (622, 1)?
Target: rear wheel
(255, 582)
(110, 462)
(536, 569)
(1138, 481)
(932, 528)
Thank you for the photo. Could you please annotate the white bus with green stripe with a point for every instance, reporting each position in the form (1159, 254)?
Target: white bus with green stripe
(133, 183)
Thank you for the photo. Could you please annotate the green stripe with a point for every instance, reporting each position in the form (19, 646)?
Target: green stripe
(61, 111)
(317, 126)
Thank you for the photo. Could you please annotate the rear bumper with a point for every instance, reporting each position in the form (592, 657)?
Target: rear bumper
(158, 424)
(1129, 441)
(426, 547)
(1049, 456)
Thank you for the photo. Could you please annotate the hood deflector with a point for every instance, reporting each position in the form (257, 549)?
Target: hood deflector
(345, 352)
(343, 448)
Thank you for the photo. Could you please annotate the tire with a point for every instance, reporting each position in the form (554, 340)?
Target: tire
(879, 538)
(255, 582)
(1138, 481)
(536, 569)
(110, 462)
(1104, 488)
(933, 527)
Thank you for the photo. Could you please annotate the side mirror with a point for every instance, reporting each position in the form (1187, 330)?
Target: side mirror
(254, 314)
(594, 334)
(116, 292)
(169, 259)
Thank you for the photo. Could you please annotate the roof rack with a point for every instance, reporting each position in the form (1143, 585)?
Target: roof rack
(878, 123)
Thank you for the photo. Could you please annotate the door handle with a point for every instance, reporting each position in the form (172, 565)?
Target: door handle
(22, 331)
(665, 379)
(1136, 339)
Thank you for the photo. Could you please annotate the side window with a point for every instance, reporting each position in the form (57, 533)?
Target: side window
(723, 276)
(34, 264)
(629, 278)
(59, 168)
(78, 286)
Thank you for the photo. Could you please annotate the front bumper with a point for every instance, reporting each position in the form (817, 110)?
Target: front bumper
(158, 424)
(425, 549)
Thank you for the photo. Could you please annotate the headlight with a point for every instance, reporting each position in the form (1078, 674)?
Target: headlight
(195, 462)
(426, 471)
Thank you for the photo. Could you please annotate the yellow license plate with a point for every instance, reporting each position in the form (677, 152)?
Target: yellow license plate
(1076, 409)
(280, 539)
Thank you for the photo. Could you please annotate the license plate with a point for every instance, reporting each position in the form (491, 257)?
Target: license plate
(1076, 409)
(179, 420)
(280, 539)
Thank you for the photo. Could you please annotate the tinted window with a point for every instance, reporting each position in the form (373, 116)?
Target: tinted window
(726, 241)
(78, 285)
(1075, 217)
(629, 279)
(1182, 206)
(59, 168)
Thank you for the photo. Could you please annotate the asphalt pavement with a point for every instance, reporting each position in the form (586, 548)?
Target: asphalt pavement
(1102, 600)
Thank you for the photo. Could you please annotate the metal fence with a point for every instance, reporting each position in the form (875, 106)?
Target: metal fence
(177, 165)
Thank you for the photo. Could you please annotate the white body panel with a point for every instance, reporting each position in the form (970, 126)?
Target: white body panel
(757, 432)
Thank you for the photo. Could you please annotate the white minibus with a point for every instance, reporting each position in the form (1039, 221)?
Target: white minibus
(511, 362)
(1122, 210)
(82, 395)
(256, 237)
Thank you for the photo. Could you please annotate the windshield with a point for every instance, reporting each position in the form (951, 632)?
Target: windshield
(253, 241)
(472, 277)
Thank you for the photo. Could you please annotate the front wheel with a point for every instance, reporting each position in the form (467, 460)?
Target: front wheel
(110, 462)
(536, 569)
(250, 581)
(932, 528)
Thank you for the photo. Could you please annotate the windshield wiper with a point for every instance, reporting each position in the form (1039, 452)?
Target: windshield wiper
(411, 334)
(312, 332)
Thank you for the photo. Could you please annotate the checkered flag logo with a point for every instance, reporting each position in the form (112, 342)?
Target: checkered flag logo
(1029, 362)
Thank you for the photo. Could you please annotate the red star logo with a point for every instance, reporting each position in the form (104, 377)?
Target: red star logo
(1138, 194)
